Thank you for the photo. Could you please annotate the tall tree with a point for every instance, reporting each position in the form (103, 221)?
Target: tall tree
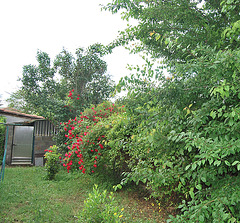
(173, 28)
(48, 89)
(189, 136)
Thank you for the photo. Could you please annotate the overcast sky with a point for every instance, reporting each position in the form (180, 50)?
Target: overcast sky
(50, 25)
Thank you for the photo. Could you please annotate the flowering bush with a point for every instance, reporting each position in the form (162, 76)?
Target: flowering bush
(86, 141)
(52, 164)
(101, 207)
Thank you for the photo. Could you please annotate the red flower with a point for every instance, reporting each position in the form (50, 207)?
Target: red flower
(101, 146)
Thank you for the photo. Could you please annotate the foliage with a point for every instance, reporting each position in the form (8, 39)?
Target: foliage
(184, 149)
(17, 102)
(45, 86)
(2, 137)
(173, 29)
(101, 207)
(52, 164)
(177, 135)
(185, 141)
(86, 145)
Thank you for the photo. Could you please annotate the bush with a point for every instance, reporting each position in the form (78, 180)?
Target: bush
(100, 207)
(52, 163)
(86, 146)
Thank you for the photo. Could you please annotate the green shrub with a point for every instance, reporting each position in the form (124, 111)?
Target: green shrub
(52, 163)
(100, 207)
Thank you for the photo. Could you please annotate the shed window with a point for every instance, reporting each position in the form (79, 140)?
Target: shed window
(44, 128)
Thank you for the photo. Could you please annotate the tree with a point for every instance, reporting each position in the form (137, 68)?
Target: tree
(46, 86)
(186, 140)
(85, 75)
(18, 102)
(172, 29)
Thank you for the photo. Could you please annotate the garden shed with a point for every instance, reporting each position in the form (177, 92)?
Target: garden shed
(27, 137)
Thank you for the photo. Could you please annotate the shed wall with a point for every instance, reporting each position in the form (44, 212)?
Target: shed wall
(40, 144)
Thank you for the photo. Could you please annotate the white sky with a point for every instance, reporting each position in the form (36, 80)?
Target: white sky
(50, 25)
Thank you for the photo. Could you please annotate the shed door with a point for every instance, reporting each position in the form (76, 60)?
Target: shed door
(22, 145)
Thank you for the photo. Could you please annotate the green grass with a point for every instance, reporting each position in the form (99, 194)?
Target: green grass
(25, 196)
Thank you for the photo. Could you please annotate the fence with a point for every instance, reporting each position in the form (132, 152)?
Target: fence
(4, 155)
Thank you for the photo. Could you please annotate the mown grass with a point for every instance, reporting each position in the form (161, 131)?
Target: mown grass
(26, 196)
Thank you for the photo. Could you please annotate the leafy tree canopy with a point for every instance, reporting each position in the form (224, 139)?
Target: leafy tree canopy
(185, 141)
(56, 90)
(172, 29)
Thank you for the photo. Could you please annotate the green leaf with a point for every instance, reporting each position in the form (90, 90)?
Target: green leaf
(187, 167)
(199, 187)
(227, 163)
(201, 218)
(238, 167)
(191, 193)
(189, 149)
(235, 162)
(217, 163)
(194, 166)
(183, 181)
(239, 95)
(213, 114)
(210, 161)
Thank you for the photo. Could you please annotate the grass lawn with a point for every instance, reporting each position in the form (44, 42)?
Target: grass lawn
(25, 196)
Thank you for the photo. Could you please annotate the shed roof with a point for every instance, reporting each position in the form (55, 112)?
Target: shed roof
(14, 112)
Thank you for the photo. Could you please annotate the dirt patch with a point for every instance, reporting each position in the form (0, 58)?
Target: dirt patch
(144, 208)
